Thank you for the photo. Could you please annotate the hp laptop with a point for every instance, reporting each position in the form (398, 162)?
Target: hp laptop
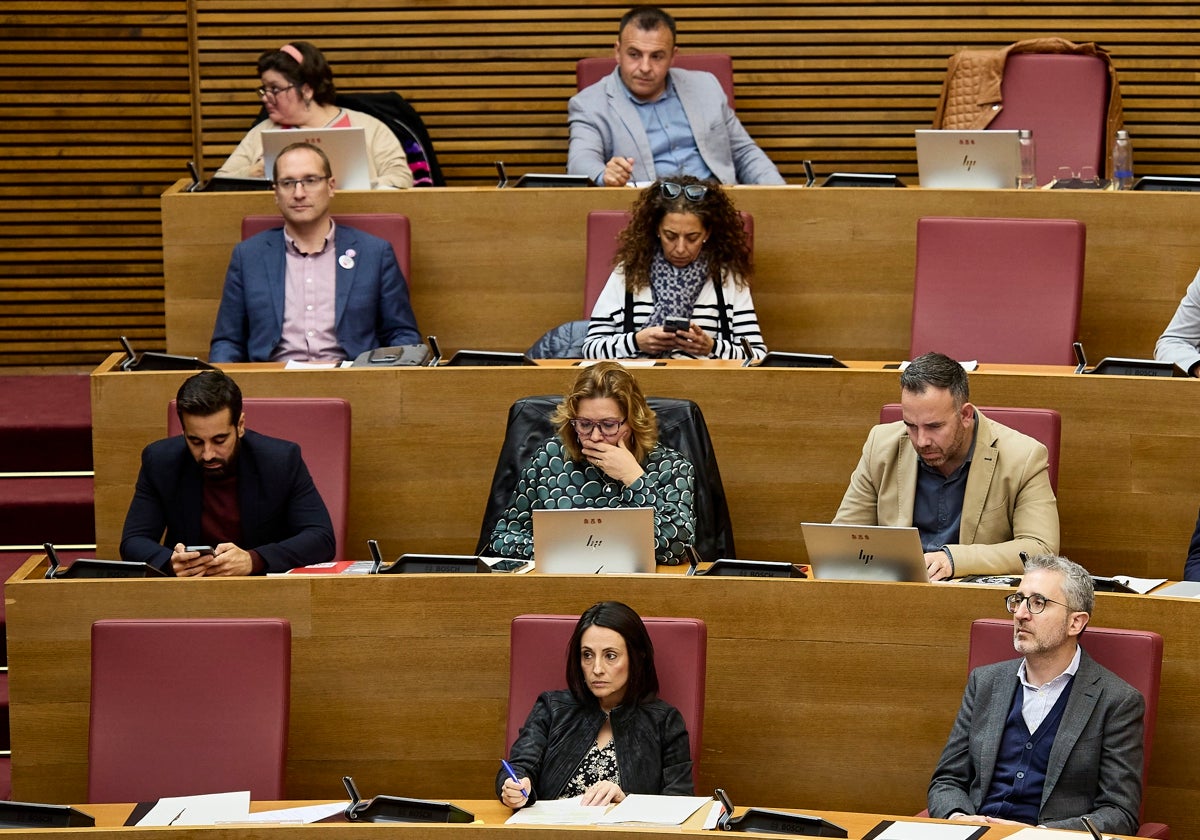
(981, 160)
(864, 552)
(346, 149)
(589, 541)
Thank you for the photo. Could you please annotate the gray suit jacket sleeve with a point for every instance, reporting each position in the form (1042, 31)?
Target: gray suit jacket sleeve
(1095, 765)
(1180, 341)
(604, 124)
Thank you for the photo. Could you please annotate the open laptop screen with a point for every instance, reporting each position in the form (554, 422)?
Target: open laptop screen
(589, 541)
(864, 552)
(346, 149)
(985, 160)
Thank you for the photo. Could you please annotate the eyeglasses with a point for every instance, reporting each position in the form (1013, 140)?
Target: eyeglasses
(272, 92)
(1034, 603)
(693, 192)
(290, 184)
(608, 428)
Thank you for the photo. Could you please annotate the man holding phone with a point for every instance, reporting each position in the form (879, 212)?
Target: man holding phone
(230, 501)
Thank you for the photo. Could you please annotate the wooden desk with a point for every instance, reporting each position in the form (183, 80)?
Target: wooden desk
(489, 825)
(819, 694)
(425, 442)
(834, 267)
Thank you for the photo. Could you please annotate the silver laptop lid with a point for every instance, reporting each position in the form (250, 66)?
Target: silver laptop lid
(346, 149)
(986, 160)
(588, 541)
(864, 552)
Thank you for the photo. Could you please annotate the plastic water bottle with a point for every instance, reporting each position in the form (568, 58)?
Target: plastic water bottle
(1027, 180)
(1122, 162)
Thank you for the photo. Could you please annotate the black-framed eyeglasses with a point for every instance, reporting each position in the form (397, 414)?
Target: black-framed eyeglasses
(692, 192)
(608, 428)
(290, 184)
(1035, 603)
(272, 92)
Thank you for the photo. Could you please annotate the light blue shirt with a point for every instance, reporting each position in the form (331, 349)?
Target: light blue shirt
(670, 134)
(1038, 700)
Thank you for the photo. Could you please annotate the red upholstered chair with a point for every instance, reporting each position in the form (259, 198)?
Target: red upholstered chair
(1133, 655)
(1064, 99)
(603, 229)
(1041, 424)
(321, 426)
(393, 227)
(588, 71)
(538, 650)
(188, 706)
(1006, 291)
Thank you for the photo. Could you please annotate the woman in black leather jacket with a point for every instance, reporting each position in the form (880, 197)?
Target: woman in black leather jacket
(609, 734)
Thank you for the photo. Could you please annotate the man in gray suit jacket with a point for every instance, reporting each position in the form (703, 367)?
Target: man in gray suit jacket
(1050, 738)
(647, 119)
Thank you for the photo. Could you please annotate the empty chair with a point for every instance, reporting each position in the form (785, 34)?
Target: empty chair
(188, 706)
(1133, 655)
(538, 647)
(321, 427)
(681, 426)
(1005, 291)
(588, 71)
(603, 234)
(1067, 93)
(392, 227)
(1041, 424)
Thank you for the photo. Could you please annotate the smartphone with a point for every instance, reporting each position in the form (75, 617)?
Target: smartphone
(383, 356)
(675, 324)
(203, 549)
(509, 565)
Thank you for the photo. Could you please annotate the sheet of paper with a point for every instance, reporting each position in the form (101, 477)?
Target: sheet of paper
(1045, 834)
(208, 809)
(645, 809)
(714, 813)
(302, 814)
(1140, 585)
(293, 364)
(558, 812)
(901, 830)
(968, 366)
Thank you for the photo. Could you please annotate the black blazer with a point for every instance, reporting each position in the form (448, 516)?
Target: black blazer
(283, 516)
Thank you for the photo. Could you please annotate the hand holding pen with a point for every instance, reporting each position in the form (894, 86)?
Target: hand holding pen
(514, 792)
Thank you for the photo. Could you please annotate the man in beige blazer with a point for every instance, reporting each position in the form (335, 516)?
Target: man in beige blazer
(978, 492)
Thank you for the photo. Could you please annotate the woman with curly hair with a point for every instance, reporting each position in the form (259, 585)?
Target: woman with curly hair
(681, 283)
(605, 454)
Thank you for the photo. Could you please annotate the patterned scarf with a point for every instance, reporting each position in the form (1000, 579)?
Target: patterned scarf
(675, 290)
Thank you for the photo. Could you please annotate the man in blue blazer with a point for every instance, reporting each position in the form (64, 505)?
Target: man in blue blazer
(1050, 738)
(310, 290)
(648, 119)
(246, 496)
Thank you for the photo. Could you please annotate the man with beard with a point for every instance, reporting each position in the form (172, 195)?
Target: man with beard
(978, 492)
(247, 496)
(1050, 738)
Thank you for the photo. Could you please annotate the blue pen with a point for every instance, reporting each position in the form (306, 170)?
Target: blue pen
(512, 774)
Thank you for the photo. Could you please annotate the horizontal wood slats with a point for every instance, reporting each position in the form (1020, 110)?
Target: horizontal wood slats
(97, 112)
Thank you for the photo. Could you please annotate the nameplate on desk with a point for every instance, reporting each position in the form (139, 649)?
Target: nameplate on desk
(1117, 366)
(437, 564)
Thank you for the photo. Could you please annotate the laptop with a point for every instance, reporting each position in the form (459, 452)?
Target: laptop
(589, 541)
(978, 160)
(346, 149)
(864, 552)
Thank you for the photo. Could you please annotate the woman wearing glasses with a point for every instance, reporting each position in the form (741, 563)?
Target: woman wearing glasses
(298, 92)
(681, 283)
(605, 454)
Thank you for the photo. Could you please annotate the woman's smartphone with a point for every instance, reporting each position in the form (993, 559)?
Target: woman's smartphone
(676, 324)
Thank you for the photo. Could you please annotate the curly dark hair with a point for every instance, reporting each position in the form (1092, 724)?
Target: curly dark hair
(727, 248)
(314, 71)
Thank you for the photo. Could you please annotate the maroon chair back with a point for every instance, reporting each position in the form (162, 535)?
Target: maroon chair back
(1041, 424)
(538, 650)
(188, 706)
(603, 232)
(393, 227)
(1064, 100)
(1133, 655)
(321, 427)
(1006, 291)
(588, 71)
